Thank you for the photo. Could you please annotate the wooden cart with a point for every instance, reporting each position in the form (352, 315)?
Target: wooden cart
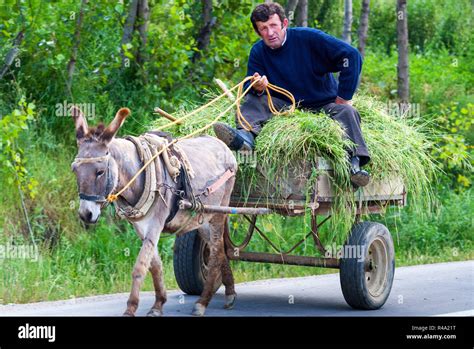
(366, 262)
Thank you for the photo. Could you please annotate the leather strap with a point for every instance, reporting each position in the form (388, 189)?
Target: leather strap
(147, 197)
(220, 182)
(95, 198)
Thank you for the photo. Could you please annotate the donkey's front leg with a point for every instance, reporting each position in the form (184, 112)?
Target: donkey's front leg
(156, 269)
(138, 275)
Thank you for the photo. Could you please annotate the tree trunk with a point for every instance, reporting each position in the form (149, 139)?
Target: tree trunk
(302, 13)
(290, 10)
(346, 32)
(143, 14)
(75, 47)
(204, 36)
(363, 26)
(128, 29)
(402, 36)
(14, 51)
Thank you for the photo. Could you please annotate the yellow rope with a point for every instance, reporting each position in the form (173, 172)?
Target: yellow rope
(239, 85)
(240, 95)
(241, 119)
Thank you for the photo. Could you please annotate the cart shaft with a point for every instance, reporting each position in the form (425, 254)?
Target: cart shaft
(184, 204)
(261, 257)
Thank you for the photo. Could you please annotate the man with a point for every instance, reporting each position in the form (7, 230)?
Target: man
(300, 60)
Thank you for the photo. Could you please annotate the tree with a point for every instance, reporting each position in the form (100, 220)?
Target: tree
(363, 26)
(290, 10)
(143, 12)
(204, 36)
(75, 47)
(346, 32)
(302, 13)
(13, 52)
(15, 49)
(127, 35)
(402, 40)
(138, 18)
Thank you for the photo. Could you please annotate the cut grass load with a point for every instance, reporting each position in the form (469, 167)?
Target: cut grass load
(398, 146)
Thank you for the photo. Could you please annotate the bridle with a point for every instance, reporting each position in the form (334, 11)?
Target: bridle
(100, 199)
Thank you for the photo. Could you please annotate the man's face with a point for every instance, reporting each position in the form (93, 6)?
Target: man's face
(272, 31)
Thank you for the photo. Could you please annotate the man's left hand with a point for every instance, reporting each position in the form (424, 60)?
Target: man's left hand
(340, 100)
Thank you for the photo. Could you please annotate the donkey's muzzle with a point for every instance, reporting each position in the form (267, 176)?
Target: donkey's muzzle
(89, 211)
(88, 217)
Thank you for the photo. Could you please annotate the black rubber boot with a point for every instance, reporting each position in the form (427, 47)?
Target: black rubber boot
(359, 177)
(234, 139)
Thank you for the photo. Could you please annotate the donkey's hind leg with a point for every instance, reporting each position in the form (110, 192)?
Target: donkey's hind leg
(216, 247)
(228, 281)
(227, 276)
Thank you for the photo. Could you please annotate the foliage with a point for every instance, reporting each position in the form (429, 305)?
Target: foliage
(442, 89)
(453, 149)
(433, 25)
(12, 156)
(451, 227)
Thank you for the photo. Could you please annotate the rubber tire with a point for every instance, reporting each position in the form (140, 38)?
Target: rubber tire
(352, 272)
(187, 263)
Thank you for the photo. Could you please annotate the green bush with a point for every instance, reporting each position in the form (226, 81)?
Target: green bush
(450, 228)
(432, 24)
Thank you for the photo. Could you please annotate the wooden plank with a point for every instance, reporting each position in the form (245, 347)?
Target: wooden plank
(291, 191)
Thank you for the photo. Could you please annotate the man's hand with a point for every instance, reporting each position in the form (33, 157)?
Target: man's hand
(261, 85)
(340, 100)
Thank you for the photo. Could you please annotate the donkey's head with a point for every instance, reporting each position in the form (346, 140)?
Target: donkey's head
(96, 171)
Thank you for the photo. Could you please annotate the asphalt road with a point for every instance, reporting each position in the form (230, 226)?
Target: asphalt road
(424, 290)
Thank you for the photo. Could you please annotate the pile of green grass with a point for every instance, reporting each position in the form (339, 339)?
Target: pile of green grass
(398, 146)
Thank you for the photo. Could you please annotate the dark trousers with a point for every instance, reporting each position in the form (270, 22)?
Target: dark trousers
(256, 112)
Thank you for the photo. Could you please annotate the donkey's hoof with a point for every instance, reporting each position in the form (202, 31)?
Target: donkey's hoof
(155, 312)
(229, 301)
(198, 310)
(128, 314)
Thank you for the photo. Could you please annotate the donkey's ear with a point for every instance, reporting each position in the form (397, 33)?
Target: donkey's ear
(115, 125)
(80, 122)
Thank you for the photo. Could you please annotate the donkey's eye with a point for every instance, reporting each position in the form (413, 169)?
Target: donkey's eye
(100, 173)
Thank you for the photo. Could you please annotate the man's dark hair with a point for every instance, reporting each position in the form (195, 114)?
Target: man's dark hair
(262, 13)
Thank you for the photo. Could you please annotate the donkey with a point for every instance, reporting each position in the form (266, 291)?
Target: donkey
(108, 163)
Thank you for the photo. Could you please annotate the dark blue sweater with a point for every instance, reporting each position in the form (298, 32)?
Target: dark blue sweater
(303, 66)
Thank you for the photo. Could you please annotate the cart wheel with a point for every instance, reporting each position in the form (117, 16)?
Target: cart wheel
(190, 258)
(366, 282)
